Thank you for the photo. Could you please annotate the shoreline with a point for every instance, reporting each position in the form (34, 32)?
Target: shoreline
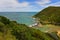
(36, 24)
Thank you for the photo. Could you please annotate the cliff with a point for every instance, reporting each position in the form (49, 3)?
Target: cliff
(49, 15)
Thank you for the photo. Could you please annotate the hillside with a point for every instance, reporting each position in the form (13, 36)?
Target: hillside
(49, 15)
(11, 30)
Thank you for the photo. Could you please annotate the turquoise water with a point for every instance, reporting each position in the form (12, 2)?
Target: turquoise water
(20, 17)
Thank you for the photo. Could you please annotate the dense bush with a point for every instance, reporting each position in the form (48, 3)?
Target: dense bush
(13, 31)
(4, 20)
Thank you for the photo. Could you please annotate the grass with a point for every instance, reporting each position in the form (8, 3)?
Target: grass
(49, 28)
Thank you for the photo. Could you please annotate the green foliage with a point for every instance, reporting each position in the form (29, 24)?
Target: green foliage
(2, 27)
(4, 20)
(14, 31)
(49, 15)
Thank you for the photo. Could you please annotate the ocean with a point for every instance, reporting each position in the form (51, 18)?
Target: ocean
(20, 17)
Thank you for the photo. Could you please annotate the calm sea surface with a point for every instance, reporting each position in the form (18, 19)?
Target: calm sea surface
(20, 17)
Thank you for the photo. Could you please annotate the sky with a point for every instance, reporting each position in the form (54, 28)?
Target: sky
(26, 5)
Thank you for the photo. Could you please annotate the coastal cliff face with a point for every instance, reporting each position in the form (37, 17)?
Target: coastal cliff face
(49, 15)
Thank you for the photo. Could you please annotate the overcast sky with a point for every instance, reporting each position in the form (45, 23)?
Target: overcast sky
(26, 5)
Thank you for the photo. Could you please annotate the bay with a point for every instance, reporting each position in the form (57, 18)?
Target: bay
(20, 17)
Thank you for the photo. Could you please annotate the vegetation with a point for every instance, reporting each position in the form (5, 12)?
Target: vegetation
(50, 15)
(11, 30)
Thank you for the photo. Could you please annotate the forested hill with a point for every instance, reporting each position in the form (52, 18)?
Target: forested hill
(49, 15)
(11, 30)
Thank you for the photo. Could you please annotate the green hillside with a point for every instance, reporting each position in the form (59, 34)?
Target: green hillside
(49, 15)
(11, 30)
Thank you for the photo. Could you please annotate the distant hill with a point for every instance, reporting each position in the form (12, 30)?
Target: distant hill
(11, 30)
(49, 15)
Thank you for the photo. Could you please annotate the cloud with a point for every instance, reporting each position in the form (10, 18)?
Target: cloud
(15, 6)
(46, 3)
(12, 5)
(43, 2)
(55, 4)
